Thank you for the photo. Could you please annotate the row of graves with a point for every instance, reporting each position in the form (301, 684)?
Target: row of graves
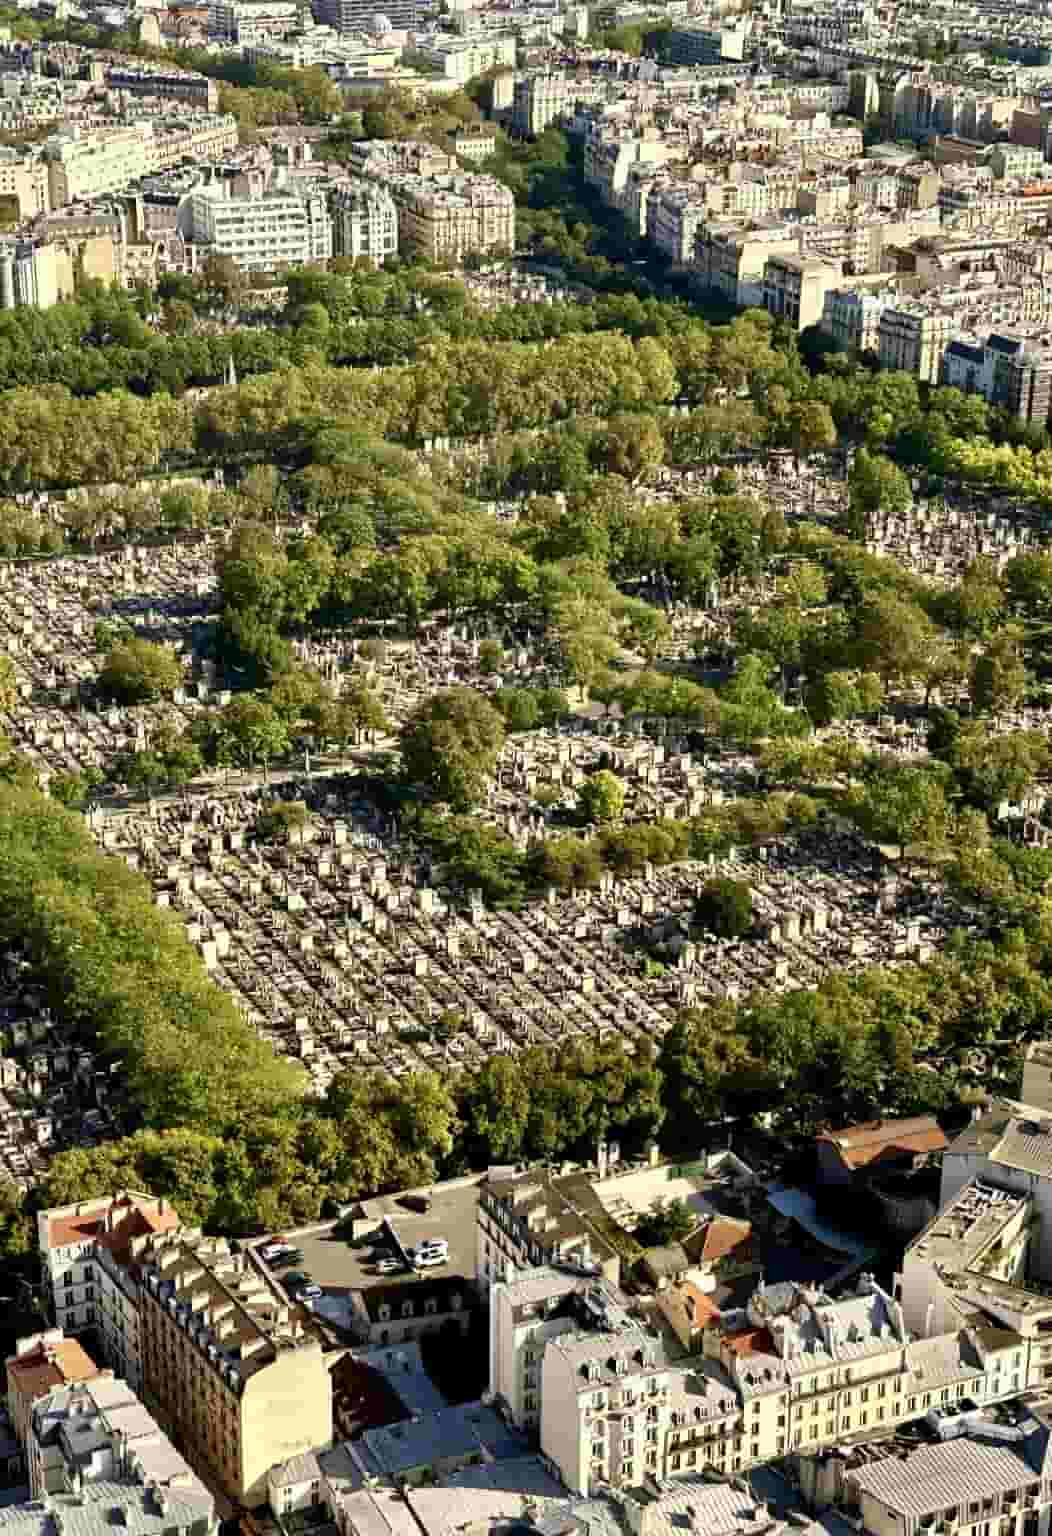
(54, 1092)
(348, 947)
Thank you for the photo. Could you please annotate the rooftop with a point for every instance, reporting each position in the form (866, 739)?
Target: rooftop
(860, 1145)
(953, 1472)
(970, 1224)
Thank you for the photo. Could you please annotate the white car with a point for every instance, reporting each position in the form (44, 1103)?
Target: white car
(388, 1266)
(274, 1251)
(430, 1260)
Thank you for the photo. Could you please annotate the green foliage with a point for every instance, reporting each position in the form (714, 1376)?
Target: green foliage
(900, 803)
(123, 972)
(665, 1222)
(170, 761)
(601, 797)
(282, 818)
(450, 745)
(724, 907)
(137, 670)
(544, 1103)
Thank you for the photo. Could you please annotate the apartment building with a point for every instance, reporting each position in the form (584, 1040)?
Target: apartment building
(912, 336)
(795, 288)
(399, 1314)
(383, 159)
(250, 21)
(203, 136)
(24, 177)
(85, 165)
(536, 1218)
(99, 1431)
(525, 1313)
(364, 221)
(991, 1477)
(675, 213)
(231, 1368)
(705, 45)
(824, 197)
(98, 1509)
(475, 144)
(605, 1403)
(41, 1363)
(165, 85)
(81, 1247)
(792, 1371)
(445, 217)
(461, 58)
(358, 15)
(281, 228)
(731, 260)
(537, 100)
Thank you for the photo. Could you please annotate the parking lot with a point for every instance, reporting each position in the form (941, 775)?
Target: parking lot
(339, 1266)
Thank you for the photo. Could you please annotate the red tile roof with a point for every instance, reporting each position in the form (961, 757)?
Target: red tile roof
(722, 1236)
(47, 1366)
(753, 1341)
(72, 1229)
(859, 1145)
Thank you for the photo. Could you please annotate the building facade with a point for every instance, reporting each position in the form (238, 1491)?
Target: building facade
(228, 1363)
(364, 222)
(262, 234)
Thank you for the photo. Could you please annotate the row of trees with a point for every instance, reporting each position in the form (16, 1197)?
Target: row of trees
(855, 1045)
(125, 974)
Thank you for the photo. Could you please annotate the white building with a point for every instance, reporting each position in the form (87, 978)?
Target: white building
(87, 164)
(364, 221)
(249, 21)
(96, 1431)
(525, 1313)
(83, 1248)
(460, 59)
(282, 228)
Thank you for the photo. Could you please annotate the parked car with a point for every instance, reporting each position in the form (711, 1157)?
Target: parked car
(389, 1266)
(295, 1278)
(421, 1203)
(309, 1292)
(433, 1245)
(430, 1260)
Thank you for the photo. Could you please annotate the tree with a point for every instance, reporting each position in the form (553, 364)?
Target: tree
(900, 803)
(601, 797)
(631, 445)
(450, 745)
(491, 654)
(811, 428)
(1028, 581)
(708, 1068)
(282, 818)
(896, 639)
(248, 730)
(832, 696)
(8, 686)
(665, 1222)
(875, 485)
(394, 1131)
(992, 768)
(977, 604)
(724, 907)
(998, 675)
(137, 670)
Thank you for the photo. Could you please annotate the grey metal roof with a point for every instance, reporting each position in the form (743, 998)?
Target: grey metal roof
(98, 1507)
(944, 1476)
